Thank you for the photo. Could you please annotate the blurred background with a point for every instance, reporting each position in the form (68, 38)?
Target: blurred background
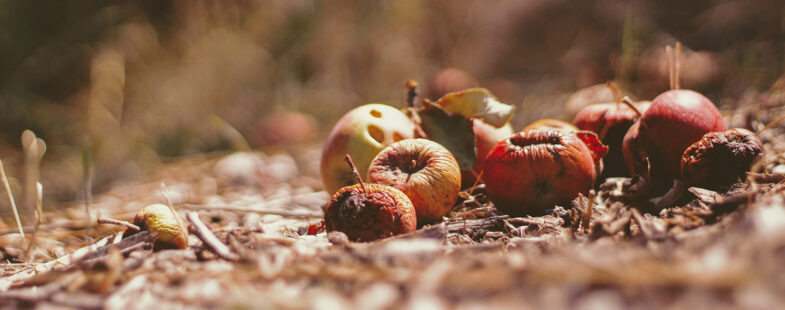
(125, 86)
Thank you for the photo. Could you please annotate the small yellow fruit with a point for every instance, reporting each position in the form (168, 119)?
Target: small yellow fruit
(164, 225)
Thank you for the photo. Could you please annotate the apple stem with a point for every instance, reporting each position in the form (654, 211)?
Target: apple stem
(770, 124)
(348, 159)
(615, 92)
(627, 101)
(411, 95)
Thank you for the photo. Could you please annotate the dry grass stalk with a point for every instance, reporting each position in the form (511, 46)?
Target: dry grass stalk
(11, 198)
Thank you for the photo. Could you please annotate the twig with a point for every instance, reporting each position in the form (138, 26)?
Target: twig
(771, 124)
(589, 209)
(209, 239)
(104, 220)
(477, 179)
(11, 198)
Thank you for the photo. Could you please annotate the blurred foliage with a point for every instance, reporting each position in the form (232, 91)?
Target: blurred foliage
(135, 82)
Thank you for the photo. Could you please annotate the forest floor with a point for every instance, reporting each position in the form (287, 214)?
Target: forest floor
(705, 249)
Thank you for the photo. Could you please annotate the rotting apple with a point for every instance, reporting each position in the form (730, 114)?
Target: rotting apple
(534, 170)
(550, 123)
(720, 159)
(361, 133)
(611, 121)
(423, 170)
(367, 212)
(166, 227)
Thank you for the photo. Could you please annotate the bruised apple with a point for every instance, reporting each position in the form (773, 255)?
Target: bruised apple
(361, 133)
(423, 170)
(534, 170)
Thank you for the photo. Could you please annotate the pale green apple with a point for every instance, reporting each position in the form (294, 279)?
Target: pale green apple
(362, 133)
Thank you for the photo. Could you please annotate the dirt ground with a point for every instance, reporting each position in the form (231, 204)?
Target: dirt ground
(704, 250)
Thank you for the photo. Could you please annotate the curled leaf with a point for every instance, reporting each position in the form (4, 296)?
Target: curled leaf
(477, 103)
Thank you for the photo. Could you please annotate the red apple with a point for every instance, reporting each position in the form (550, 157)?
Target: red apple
(534, 170)
(610, 121)
(675, 120)
(423, 170)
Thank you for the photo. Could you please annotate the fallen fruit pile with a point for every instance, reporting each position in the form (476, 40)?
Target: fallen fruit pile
(429, 152)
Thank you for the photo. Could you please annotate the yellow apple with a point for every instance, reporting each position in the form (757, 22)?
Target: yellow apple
(361, 133)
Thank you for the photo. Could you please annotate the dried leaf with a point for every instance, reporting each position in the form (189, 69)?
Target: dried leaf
(477, 103)
(454, 132)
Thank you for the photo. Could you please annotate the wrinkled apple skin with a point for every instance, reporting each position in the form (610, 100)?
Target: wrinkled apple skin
(361, 133)
(486, 136)
(675, 120)
(381, 212)
(611, 122)
(423, 170)
(535, 170)
(550, 123)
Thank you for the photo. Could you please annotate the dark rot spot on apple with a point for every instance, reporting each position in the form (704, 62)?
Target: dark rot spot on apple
(720, 159)
(380, 212)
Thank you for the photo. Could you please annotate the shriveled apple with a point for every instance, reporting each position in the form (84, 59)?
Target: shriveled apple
(423, 170)
(535, 170)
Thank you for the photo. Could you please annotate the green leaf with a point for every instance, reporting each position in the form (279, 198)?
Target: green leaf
(477, 103)
(454, 132)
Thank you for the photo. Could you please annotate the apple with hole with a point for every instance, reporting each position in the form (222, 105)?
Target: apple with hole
(423, 170)
(534, 170)
(361, 133)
